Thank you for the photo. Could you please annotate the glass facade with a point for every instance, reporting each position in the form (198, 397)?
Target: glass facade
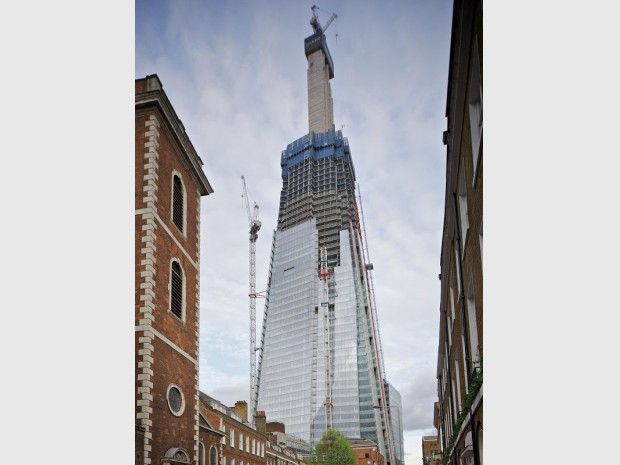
(285, 368)
(318, 211)
(396, 423)
(318, 309)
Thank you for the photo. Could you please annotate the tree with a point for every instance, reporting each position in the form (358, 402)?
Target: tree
(334, 449)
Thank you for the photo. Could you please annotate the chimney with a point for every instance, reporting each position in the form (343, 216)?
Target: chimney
(261, 422)
(276, 427)
(241, 409)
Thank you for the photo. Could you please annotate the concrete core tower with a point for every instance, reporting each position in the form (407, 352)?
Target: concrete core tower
(320, 71)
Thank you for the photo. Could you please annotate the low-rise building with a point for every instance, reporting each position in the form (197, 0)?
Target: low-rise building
(282, 448)
(210, 445)
(366, 452)
(431, 450)
(241, 443)
(277, 455)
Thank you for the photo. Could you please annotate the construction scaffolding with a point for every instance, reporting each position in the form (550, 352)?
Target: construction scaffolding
(318, 182)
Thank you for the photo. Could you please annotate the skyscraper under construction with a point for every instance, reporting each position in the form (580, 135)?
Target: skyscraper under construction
(320, 361)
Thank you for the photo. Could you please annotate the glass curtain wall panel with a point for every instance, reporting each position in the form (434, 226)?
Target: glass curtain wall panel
(318, 211)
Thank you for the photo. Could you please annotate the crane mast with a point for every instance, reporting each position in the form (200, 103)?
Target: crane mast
(327, 305)
(254, 225)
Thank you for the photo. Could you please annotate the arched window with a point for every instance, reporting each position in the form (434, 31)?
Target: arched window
(175, 455)
(178, 202)
(201, 454)
(212, 456)
(176, 289)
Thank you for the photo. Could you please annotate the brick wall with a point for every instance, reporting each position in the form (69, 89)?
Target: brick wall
(233, 452)
(166, 346)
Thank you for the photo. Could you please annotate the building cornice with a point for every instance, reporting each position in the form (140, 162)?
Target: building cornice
(154, 99)
(214, 431)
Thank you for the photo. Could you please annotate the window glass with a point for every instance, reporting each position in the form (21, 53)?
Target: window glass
(176, 290)
(213, 456)
(178, 202)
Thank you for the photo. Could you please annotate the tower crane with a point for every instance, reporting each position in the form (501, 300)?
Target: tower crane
(314, 21)
(254, 225)
(327, 304)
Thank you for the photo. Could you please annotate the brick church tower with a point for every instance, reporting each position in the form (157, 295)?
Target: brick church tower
(169, 185)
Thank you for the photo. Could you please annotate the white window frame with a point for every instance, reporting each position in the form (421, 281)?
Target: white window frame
(452, 315)
(471, 320)
(457, 377)
(213, 448)
(453, 401)
(183, 290)
(184, 191)
(182, 409)
(463, 361)
(475, 109)
(201, 453)
(463, 211)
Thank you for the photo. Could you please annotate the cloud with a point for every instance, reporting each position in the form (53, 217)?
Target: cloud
(235, 73)
(228, 388)
(418, 400)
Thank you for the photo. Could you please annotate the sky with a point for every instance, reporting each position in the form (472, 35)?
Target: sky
(235, 73)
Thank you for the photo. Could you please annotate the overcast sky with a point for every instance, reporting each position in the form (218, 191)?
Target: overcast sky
(235, 73)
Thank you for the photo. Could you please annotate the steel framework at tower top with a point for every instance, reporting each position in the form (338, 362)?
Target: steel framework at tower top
(254, 225)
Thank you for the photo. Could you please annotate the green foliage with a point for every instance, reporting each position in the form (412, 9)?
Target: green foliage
(474, 387)
(334, 449)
